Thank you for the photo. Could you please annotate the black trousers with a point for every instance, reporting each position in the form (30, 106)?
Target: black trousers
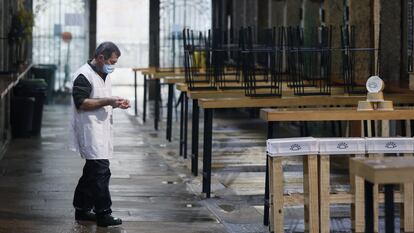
(92, 191)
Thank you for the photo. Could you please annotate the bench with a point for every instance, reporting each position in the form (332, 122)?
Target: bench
(316, 196)
(373, 124)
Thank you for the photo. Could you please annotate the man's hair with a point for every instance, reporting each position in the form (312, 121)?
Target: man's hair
(106, 49)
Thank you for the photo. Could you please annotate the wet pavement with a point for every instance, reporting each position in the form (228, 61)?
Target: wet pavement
(152, 187)
(38, 176)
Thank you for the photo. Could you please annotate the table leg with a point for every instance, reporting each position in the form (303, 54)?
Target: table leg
(135, 94)
(157, 103)
(169, 110)
(181, 122)
(369, 207)
(208, 130)
(389, 208)
(185, 124)
(144, 114)
(194, 138)
(270, 128)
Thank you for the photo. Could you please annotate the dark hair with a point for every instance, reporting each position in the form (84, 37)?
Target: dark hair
(106, 49)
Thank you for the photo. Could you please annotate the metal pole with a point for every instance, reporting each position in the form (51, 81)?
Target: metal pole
(169, 110)
(185, 123)
(270, 128)
(389, 208)
(369, 207)
(157, 103)
(194, 144)
(181, 122)
(144, 115)
(135, 93)
(208, 129)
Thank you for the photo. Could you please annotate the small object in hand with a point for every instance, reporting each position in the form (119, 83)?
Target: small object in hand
(125, 103)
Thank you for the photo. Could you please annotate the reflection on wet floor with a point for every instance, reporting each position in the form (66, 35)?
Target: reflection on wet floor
(38, 177)
(151, 186)
(87, 227)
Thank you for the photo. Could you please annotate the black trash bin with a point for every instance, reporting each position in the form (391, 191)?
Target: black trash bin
(48, 73)
(22, 116)
(37, 89)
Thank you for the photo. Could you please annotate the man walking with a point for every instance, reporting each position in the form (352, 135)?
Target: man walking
(92, 134)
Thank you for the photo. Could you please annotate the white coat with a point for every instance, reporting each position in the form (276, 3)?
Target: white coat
(91, 131)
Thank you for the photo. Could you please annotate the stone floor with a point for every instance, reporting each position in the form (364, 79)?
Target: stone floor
(38, 176)
(152, 187)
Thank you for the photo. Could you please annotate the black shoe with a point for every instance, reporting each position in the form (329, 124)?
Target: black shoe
(85, 216)
(108, 220)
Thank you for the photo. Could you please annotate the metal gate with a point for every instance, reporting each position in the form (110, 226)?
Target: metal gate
(175, 15)
(52, 18)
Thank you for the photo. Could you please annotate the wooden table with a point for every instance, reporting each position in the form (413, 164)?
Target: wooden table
(236, 98)
(170, 76)
(195, 95)
(388, 171)
(251, 102)
(331, 114)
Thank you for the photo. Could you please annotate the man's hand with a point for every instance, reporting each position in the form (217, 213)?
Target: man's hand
(115, 102)
(125, 104)
(119, 102)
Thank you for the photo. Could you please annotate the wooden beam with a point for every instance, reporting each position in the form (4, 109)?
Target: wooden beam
(311, 193)
(276, 194)
(324, 193)
(334, 114)
(408, 190)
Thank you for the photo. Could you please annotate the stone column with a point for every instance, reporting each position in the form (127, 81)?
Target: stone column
(408, 33)
(391, 51)
(244, 14)
(251, 13)
(92, 26)
(360, 16)
(154, 33)
(292, 12)
(154, 41)
(311, 19)
(3, 51)
(219, 14)
(29, 6)
(334, 17)
(238, 14)
(263, 13)
(277, 13)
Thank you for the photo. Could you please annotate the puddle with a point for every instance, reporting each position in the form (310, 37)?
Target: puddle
(227, 208)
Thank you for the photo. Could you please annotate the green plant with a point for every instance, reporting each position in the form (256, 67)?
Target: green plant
(27, 20)
(22, 25)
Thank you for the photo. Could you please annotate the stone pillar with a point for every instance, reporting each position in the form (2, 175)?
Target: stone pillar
(3, 34)
(263, 13)
(244, 14)
(154, 33)
(92, 26)
(251, 13)
(154, 41)
(292, 13)
(311, 20)
(391, 50)
(277, 13)
(334, 12)
(360, 16)
(408, 32)
(334, 16)
(238, 14)
(219, 14)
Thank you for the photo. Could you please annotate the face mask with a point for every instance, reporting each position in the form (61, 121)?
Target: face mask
(107, 69)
